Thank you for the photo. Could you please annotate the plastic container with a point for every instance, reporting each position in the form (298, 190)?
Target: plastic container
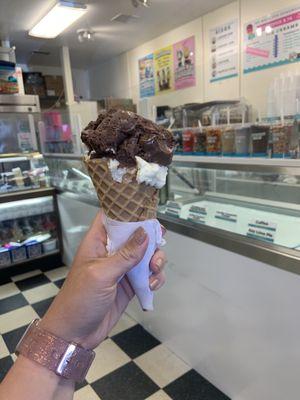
(228, 141)
(199, 141)
(242, 141)
(260, 135)
(33, 250)
(49, 246)
(177, 134)
(18, 254)
(213, 141)
(4, 256)
(280, 138)
(188, 140)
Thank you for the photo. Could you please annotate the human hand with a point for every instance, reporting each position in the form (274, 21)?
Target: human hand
(91, 300)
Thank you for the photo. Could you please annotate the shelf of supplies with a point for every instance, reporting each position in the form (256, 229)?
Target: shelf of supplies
(26, 194)
(44, 255)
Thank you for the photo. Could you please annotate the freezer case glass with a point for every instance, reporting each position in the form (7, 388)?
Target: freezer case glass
(258, 203)
(68, 173)
(28, 229)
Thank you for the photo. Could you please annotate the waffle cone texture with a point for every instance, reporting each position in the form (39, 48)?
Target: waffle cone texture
(128, 201)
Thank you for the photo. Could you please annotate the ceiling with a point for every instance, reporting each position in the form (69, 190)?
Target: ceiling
(111, 38)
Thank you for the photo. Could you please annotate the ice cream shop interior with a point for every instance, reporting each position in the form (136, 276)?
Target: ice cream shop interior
(181, 117)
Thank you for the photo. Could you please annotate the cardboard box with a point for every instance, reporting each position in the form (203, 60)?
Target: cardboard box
(54, 85)
(34, 83)
(8, 78)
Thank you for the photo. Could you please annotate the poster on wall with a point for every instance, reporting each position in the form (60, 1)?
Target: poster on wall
(146, 76)
(184, 63)
(163, 67)
(224, 53)
(272, 41)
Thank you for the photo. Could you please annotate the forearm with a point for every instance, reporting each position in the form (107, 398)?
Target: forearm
(28, 380)
(65, 390)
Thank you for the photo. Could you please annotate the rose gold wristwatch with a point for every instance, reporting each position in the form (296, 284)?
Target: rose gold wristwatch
(68, 360)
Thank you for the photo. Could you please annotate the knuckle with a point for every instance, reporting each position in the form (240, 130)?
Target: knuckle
(128, 254)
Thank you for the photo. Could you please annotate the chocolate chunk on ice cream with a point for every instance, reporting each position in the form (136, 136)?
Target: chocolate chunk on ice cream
(123, 135)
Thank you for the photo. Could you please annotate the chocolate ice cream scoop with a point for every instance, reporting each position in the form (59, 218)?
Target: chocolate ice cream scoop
(124, 135)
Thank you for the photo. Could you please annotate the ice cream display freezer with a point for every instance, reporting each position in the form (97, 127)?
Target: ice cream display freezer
(249, 209)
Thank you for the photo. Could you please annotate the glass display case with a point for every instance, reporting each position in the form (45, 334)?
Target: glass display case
(23, 172)
(29, 226)
(251, 208)
(68, 173)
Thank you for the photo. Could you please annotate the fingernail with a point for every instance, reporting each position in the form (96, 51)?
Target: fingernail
(139, 236)
(154, 284)
(159, 264)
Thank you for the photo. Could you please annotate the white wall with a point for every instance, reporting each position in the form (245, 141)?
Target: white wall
(119, 76)
(188, 95)
(110, 78)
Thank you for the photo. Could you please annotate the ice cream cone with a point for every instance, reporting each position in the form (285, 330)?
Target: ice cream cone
(128, 201)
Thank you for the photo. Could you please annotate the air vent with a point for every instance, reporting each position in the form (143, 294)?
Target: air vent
(124, 18)
(41, 53)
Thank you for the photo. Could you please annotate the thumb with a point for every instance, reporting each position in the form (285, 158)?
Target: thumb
(129, 255)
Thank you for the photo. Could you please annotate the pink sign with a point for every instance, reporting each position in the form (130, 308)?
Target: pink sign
(184, 63)
(281, 21)
(257, 52)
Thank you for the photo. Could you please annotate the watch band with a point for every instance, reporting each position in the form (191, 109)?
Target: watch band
(68, 360)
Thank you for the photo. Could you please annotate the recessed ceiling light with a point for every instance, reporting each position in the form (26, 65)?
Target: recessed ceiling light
(60, 17)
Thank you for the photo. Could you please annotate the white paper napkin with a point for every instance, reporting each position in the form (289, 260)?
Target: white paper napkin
(118, 234)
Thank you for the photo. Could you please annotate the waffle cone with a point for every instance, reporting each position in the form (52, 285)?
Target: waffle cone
(128, 201)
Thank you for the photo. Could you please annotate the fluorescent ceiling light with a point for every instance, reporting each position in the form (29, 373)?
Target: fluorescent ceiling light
(60, 17)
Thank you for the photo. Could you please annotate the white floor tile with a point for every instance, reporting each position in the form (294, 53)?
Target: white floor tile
(17, 318)
(9, 289)
(26, 275)
(40, 293)
(86, 393)
(125, 322)
(3, 349)
(161, 395)
(58, 273)
(108, 358)
(162, 365)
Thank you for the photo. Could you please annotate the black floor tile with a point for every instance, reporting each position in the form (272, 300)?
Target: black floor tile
(12, 338)
(80, 385)
(126, 383)
(5, 364)
(42, 306)
(59, 283)
(135, 341)
(192, 386)
(4, 280)
(32, 282)
(12, 303)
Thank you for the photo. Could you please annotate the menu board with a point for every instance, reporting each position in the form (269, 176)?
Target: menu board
(272, 40)
(224, 56)
(184, 63)
(163, 66)
(146, 76)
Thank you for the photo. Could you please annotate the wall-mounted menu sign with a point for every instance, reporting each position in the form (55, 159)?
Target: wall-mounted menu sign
(146, 76)
(224, 55)
(163, 67)
(272, 40)
(184, 63)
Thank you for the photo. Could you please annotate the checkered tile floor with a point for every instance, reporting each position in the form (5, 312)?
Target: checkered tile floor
(129, 365)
